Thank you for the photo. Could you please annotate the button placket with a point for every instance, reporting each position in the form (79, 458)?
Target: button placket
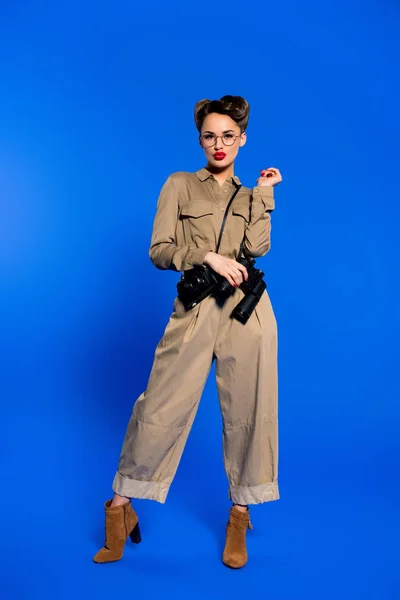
(216, 192)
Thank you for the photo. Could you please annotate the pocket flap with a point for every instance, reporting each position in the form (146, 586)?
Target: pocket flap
(243, 210)
(197, 209)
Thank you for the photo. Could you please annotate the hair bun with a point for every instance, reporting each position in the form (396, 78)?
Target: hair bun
(235, 107)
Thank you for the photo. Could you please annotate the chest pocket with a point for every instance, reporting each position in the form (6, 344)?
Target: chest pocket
(242, 210)
(238, 221)
(198, 221)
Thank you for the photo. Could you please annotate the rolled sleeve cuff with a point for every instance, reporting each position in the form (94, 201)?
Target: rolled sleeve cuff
(188, 259)
(264, 194)
(197, 256)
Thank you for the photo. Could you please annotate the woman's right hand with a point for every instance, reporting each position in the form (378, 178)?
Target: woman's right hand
(229, 268)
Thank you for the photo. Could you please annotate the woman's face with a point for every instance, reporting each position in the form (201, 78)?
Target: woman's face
(217, 153)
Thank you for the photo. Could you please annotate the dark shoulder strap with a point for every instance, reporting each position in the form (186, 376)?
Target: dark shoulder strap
(225, 215)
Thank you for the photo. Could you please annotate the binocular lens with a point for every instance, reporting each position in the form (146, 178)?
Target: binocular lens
(243, 310)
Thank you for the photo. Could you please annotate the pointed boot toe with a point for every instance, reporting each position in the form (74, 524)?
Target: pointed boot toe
(105, 555)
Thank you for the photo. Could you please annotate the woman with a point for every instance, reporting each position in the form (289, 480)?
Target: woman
(187, 223)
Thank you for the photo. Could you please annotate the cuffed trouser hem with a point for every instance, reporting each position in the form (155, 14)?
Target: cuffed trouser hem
(255, 494)
(133, 488)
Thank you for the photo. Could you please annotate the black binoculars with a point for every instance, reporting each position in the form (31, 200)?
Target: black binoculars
(253, 289)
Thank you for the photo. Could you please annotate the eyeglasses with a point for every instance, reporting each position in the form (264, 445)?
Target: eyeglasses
(209, 139)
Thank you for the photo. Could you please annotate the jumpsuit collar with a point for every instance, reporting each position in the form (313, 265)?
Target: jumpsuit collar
(204, 174)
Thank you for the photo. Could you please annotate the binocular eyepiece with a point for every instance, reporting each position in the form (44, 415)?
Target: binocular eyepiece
(224, 288)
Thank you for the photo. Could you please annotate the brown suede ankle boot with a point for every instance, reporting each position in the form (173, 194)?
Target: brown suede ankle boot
(235, 552)
(121, 522)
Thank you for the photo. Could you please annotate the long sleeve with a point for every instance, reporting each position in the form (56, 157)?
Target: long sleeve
(163, 252)
(257, 237)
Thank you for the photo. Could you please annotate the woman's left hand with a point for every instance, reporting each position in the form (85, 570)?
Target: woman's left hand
(269, 177)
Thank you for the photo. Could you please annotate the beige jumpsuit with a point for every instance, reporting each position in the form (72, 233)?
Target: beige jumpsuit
(189, 214)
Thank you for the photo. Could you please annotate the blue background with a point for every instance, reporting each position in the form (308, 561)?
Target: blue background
(96, 110)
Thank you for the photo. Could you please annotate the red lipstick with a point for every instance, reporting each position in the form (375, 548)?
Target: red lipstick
(219, 155)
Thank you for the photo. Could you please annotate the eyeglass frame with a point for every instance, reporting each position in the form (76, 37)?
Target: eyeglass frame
(220, 136)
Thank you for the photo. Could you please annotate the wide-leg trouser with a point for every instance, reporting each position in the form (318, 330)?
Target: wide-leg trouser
(246, 371)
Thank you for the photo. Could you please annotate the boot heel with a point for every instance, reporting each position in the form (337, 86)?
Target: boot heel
(135, 536)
